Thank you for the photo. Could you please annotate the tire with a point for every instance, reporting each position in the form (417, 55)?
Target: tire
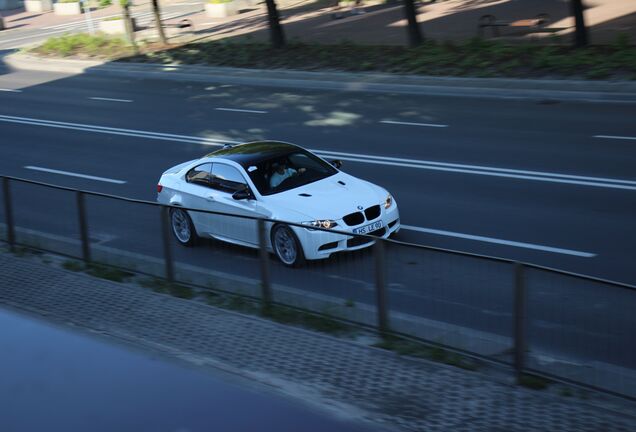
(287, 247)
(182, 227)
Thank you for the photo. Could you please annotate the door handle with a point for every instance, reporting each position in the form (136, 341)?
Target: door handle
(210, 198)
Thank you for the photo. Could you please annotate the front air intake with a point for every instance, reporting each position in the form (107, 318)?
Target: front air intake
(353, 219)
(372, 212)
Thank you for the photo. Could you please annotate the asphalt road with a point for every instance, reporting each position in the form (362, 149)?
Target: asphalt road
(17, 38)
(514, 179)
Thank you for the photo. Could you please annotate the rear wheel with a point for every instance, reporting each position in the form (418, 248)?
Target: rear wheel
(287, 247)
(182, 227)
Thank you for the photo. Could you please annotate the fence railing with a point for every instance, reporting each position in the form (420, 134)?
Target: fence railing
(535, 319)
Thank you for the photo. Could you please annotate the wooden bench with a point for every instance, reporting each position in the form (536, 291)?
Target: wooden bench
(534, 25)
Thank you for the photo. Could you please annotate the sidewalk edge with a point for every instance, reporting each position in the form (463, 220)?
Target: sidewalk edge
(491, 88)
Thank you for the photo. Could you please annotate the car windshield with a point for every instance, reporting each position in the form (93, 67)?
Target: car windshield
(288, 171)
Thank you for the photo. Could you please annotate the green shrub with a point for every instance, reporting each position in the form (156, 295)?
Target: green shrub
(105, 3)
(68, 1)
(534, 382)
(84, 44)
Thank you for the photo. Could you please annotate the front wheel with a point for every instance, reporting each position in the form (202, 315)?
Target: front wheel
(287, 247)
(182, 227)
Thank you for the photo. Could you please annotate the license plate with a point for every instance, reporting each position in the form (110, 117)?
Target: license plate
(368, 228)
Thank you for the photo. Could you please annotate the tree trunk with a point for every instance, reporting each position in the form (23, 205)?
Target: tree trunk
(580, 33)
(276, 33)
(130, 31)
(415, 36)
(157, 13)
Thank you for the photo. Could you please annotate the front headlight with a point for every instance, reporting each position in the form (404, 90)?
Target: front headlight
(327, 223)
(388, 202)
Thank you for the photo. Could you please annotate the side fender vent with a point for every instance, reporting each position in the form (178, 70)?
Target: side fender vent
(342, 183)
(304, 195)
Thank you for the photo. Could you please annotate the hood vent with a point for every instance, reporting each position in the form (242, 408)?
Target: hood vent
(342, 183)
(304, 195)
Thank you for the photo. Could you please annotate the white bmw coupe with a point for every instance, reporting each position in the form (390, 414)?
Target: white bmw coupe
(284, 184)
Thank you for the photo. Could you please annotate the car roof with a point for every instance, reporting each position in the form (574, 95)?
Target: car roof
(253, 152)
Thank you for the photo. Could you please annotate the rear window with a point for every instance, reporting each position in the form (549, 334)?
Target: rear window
(200, 174)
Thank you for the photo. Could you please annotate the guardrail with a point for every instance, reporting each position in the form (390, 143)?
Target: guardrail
(535, 319)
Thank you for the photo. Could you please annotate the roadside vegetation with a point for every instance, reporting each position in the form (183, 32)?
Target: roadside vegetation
(416, 349)
(83, 46)
(474, 58)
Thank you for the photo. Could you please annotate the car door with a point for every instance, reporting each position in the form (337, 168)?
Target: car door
(227, 179)
(196, 194)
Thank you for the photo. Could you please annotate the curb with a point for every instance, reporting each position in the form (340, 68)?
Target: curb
(491, 88)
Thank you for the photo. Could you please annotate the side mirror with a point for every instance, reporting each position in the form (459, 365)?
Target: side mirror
(242, 194)
(337, 163)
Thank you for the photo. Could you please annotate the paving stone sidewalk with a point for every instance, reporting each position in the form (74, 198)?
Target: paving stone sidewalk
(376, 385)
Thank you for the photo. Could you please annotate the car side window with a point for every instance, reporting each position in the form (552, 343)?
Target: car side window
(226, 178)
(200, 175)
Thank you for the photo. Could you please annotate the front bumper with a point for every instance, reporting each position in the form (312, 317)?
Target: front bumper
(322, 244)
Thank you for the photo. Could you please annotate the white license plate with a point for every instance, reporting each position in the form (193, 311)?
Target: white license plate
(368, 228)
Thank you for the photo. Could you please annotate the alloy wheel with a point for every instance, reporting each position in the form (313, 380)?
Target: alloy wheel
(285, 245)
(181, 226)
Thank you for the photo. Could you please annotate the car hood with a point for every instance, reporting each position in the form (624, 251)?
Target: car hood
(330, 198)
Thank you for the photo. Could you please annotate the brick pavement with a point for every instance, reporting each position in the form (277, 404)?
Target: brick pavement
(379, 386)
(310, 20)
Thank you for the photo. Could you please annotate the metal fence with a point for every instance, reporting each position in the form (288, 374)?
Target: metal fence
(538, 320)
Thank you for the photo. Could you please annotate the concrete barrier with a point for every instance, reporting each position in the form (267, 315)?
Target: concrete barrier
(222, 10)
(38, 5)
(114, 27)
(74, 8)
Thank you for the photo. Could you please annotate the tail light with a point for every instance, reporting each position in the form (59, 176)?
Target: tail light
(159, 188)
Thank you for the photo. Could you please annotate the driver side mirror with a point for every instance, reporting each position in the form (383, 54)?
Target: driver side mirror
(242, 194)
(336, 162)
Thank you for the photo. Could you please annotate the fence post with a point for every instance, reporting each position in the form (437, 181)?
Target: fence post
(519, 320)
(263, 256)
(167, 250)
(83, 227)
(8, 213)
(380, 286)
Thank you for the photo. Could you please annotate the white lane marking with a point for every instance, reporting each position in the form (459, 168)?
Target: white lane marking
(409, 163)
(80, 24)
(75, 23)
(500, 241)
(117, 131)
(413, 124)
(10, 90)
(5, 41)
(487, 171)
(480, 167)
(241, 110)
(72, 174)
(615, 137)
(493, 174)
(110, 99)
